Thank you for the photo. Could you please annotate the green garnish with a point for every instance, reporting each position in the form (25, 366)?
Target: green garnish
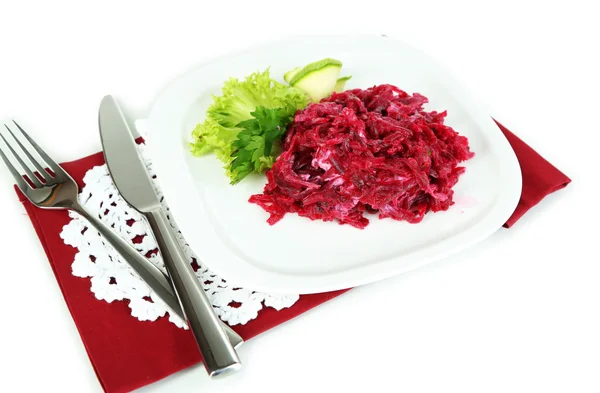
(254, 146)
(226, 116)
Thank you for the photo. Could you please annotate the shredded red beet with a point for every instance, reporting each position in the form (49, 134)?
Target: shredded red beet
(373, 150)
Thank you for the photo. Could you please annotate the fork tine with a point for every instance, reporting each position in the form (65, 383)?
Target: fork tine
(18, 178)
(51, 163)
(24, 166)
(35, 162)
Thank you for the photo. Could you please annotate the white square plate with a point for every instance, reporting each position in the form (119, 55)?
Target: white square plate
(297, 255)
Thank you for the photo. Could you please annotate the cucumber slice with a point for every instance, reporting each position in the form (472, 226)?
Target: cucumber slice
(290, 74)
(341, 83)
(317, 79)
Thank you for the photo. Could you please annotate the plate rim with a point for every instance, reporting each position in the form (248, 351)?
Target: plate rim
(310, 283)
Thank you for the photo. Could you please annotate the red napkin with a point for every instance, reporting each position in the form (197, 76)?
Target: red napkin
(128, 354)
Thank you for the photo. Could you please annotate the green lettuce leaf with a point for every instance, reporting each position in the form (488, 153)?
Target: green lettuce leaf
(238, 101)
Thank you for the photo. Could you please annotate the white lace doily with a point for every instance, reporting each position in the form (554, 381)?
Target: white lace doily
(112, 279)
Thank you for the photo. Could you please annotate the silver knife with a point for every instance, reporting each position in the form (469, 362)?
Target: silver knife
(135, 186)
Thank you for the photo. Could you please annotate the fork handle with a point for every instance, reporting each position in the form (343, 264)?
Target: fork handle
(218, 354)
(152, 275)
(142, 266)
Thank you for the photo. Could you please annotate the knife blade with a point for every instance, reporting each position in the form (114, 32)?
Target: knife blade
(133, 182)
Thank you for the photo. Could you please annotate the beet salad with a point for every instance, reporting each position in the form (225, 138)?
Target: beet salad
(331, 153)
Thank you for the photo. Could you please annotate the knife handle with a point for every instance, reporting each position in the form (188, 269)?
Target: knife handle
(217, 351)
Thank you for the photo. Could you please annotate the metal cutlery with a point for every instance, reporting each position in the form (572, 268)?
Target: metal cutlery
(131, 178)
(48, 186)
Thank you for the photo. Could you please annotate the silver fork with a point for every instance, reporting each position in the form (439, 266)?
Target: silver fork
(56, 189)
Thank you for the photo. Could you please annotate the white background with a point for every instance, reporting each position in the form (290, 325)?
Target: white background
(517, 313)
